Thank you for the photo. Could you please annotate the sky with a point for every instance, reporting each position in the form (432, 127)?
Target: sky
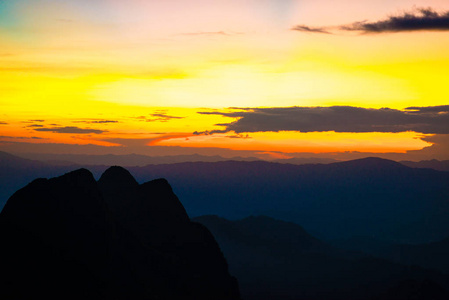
(261, 78)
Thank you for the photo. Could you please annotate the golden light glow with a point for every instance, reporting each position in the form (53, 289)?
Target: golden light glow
(100, 62)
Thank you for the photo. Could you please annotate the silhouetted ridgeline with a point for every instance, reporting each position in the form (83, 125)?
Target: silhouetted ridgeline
(370, 197)
(366, 197)
(73, 238)
(276, 260)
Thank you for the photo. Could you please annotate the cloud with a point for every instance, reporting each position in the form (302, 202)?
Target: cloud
(442, 109)
(158, 117)
(416, 20)
(70, 129)
(239, 136)
(438, 149)
(36, 125)
(427, 120)
(3, 123)
(20, 137)
(311, 29)
(420, 19)
(97, 121)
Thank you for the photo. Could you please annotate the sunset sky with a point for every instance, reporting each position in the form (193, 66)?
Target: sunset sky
(263, 78)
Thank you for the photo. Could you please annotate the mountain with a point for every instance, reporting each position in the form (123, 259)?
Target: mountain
(276, 260)
(305, 160)
(440, 165)
(430, 255)
(69, 238)
(366, 197)
(16, 172)
(123, 160)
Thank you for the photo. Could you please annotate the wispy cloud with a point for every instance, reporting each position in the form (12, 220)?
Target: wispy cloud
(158, 117)
(20, 137)
(418, 19)
(3, 123)
(428, 120)
(305, 28)
(70, 129)
(96, 121)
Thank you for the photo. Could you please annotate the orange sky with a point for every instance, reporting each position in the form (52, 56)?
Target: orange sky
(93, 73)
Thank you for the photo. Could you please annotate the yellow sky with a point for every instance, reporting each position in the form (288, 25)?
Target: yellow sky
(74, 64)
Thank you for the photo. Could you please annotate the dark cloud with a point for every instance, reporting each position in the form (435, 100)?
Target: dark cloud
(158, 117)
(428, 120)
(33, 121)
(311, 29)
(97, 121)
(429, 109)
(239, 136)
(3, 123)
(36, 125)
(416, 20)
(420, 19)
(104, 122)
(438, 149)
(20, 137)
(70, 129)
(210, 132)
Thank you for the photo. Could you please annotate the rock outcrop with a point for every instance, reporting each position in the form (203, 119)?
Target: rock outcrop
(73, 238)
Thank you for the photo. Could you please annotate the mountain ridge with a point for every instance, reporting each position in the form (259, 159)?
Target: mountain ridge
(81, 248)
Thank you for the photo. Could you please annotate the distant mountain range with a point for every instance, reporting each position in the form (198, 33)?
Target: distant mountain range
(367, 197)
(429, 255)
(440, 165)
(280, 260)
(372, 197)
(124, 160)
(70, 237)
(143, 160)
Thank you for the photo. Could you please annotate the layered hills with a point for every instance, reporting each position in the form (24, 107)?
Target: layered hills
(370, 197)
(366, 197)
(276, 260)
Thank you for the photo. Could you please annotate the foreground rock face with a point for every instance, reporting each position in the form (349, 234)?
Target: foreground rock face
(73, 238)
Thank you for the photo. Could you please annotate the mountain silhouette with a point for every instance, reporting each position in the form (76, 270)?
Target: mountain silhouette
(366, 197)
(276, 260)
(440, 165)
(62, 238)
(430, 255)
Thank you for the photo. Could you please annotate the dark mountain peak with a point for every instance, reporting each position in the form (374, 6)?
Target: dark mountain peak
(64, 238)
(160, 202)
(69, 196)
(118, 177)
(80, 177)
(208, 217)
(371, 163)
(159, 185)
(275, 229)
